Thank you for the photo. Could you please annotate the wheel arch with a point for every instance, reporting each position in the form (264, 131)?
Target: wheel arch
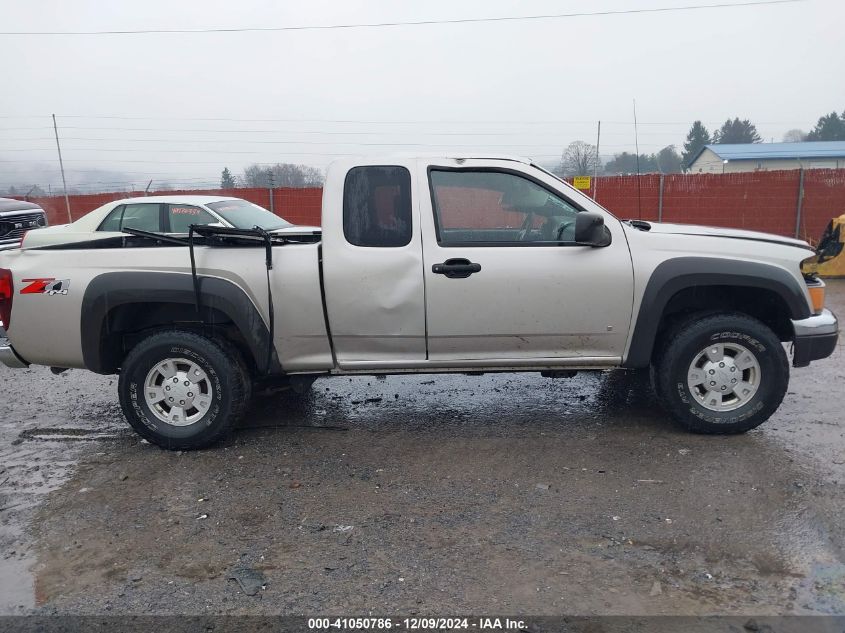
(121, 307)
(695, 284)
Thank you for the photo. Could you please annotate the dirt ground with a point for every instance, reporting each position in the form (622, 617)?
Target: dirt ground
(425, 495)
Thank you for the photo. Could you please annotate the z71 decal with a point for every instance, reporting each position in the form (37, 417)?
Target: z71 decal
(46, 286)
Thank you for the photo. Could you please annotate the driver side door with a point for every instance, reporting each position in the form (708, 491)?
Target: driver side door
(504, 279)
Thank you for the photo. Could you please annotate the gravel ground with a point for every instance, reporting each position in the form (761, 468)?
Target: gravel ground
(425, 495)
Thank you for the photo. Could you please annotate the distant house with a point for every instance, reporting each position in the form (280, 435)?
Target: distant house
(728, 159)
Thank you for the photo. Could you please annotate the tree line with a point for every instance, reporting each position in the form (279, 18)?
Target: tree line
(580, 158)
(268, 176)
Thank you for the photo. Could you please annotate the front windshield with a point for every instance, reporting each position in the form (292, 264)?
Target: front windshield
(245, 215)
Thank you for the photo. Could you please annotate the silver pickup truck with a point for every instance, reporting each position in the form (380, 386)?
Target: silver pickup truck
(424, 265)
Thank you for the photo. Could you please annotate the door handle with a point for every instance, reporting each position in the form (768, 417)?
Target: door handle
(456, 268)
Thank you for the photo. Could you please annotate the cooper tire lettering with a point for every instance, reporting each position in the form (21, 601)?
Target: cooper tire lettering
(686, 339)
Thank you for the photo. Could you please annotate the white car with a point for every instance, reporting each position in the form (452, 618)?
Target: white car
(162, 214)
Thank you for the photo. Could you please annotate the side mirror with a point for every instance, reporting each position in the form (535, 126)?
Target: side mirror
(590, 229)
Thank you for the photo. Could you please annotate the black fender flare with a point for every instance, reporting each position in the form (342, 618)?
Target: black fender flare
(674, 275)
(110, 290)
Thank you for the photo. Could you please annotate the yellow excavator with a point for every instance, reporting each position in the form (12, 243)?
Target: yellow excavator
(830, 253)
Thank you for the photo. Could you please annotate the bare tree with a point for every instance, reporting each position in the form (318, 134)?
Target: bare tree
(282, 175)
(579, 159)
(795, 136)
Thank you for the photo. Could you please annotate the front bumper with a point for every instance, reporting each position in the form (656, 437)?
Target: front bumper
(815, 338)
(8, 356)
(6, 245)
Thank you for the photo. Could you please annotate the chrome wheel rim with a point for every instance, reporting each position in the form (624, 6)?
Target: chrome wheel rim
(178, 391)
(724, 376)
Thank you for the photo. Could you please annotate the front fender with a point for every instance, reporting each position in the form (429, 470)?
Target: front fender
(674, 275)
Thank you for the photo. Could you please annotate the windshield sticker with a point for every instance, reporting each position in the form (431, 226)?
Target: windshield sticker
(184, 210)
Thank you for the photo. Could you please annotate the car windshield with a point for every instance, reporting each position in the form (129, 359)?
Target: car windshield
(245, 215)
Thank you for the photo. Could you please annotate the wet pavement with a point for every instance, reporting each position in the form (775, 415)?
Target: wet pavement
(427, 495)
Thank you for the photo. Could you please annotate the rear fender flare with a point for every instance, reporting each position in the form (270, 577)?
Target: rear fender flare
(110, 290)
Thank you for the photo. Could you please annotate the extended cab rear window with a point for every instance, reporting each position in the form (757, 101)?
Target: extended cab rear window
(377, 206)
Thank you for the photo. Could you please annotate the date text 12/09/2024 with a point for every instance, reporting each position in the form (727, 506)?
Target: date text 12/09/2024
(416, 624)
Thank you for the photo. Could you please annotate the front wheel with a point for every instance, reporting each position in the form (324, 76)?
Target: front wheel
(721, 374)
(183, 391)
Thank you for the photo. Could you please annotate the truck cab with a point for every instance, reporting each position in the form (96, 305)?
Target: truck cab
(469, 262)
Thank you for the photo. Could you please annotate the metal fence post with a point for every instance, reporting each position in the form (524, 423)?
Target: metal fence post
(660, 201)
(270, 191)
(800, 202)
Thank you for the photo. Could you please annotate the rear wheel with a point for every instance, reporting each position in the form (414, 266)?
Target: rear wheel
(183, 391)
(721, 373)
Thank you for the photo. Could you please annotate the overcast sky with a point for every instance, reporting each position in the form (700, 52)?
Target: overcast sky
(518, 87)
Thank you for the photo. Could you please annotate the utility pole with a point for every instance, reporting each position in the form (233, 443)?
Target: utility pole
(639, 180)
(62, 168)
(596, 164)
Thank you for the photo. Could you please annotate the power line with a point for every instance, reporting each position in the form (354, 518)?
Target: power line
(218, 163)
(97, 183)
(359, 121)
(363, 25)
(288, 132)
(247, 140)
(97, 186)
(306, 143)
(240, 119)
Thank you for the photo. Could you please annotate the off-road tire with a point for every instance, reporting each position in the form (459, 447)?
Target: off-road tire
(226, 372)
(683, 341)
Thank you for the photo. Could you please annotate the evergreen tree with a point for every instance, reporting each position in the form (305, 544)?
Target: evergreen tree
(697, 138)
(830, 127)
(668, 160)
(227, 181)
(737, 131)
(626, 163)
